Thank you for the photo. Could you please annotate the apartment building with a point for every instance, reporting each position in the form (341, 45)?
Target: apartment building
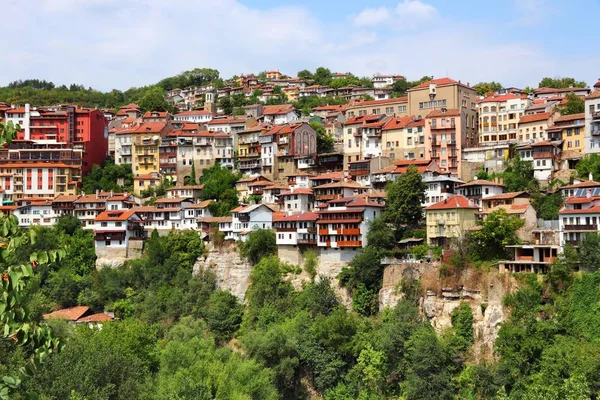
(533, 127)
(194, 116)
(397, 107)
(403, 138)
(580, 215)
(592, 121)
(384, 81)
(115, 228)
(450, 219)
(296, 229)
(249, 150)
(353, 136)
(478, 190)
(499, 117)
(449, 94)
(82, 129)
(146, 140)
(571, 130)
(445, 137)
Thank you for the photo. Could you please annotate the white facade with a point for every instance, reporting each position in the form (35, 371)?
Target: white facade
(38, 213)
(298, 201)
(592, 125)
(280, 119)
(123, 148)
(198, 117)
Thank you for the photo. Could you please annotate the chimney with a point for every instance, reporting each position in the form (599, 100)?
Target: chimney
(591, 177)
(97, 193)
(588, 193)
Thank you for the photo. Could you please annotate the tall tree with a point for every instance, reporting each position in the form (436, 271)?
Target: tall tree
(518, 175)
(305, 75)
(573, 105)
(589, 164)
(485, 88)
(496, 231)
(322, 76)
(405, 197)
(154, 100)
(324, 140)
(589, 256)
(561, 82)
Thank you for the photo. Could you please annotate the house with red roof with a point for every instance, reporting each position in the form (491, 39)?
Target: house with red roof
(450, 219)
(533, 127)
(480, 189)
(114, 229)
(297, 200)
(195, 116)
(278, 114)
(592, 120)
(299, 229)
(403, 138)
(580, 214)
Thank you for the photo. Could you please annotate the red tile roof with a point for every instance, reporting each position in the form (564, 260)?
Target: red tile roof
(535, 117)
(481, 182)
(594, 95)
(591, 210)
(500, 98)
(583, 184)
(570, 117)
(70, 314)
(308, 216)
(193, 112)
(297, 191)
(100, 317)
(160, 114)
(151, 127)
(359, 103)
(450, 112)
(452, 202)
(115, 215)
(335, 176)
(397, 123)
(440, 81)
(504, 196)
(277, 110)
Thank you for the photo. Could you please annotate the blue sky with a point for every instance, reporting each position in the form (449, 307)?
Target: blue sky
(122, 43)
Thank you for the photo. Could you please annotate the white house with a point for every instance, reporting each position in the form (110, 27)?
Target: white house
(195, 116)
(36, 212)
(592, 121)
(296, 229)
(298, 200)
(115, 228)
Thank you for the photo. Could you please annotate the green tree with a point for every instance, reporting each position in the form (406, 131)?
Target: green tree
(223, 314)
(485, 88)
(518, 175)
(547, 205)
(154, 100)
(589, 164)
(574, 105)
(322, 76)
(260, 244)
(380, 235)
(219, 184)
(191, 180)
(589, 256)
(497, 230)
(324, 140)
(462, 322)
(561, 83)
(226, 104)
(305, 75)
(405, 197)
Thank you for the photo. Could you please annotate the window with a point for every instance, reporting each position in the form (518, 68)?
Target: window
(577, 143)
(107, 242)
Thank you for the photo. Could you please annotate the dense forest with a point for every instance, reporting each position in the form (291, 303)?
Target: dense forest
(177, 336)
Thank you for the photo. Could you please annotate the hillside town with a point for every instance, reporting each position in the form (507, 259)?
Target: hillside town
(311, 198)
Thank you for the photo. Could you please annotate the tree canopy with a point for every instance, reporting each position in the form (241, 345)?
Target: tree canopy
(324, 140)
(405, 197)
(486, 88)
(561, 82)
(574, 105)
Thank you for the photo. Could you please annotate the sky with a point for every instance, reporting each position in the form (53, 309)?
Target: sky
(118, 44)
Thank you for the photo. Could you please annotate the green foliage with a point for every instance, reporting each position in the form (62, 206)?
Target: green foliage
(404, 199)
(420, 251)
(482, 174)
(462, 322)
(589, 256)
(226, 104)
(310, 263)
(380, 235)
(324, 140)
(547, 205)
(400, 87)
(497, 230)
(486, 88)
(573, 105)
(154, 100)
(260, 244)
(561, 82)
(223, 314)
(518, 175)
(305, 74)
(589, 164)
(219, 185)
(107, 177)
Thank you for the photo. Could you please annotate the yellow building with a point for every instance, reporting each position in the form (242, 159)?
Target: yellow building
(396, 107)
(571, 130)
(449, 219)
(449, 94)
(403, 139)
(533, 127)
(146, 141)
(499, 117)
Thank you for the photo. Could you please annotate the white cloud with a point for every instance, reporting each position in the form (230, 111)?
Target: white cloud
(416, 10)
(372, 16)
(138, 42)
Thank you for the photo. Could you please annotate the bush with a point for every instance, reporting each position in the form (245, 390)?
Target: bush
(261, 243)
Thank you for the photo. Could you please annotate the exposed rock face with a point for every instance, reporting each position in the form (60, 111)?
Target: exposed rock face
(232, 272)
(115, 257)
(482, 291)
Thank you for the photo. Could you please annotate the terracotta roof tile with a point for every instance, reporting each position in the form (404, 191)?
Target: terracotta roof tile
(535, 117)
(452, 202)
(70, 314)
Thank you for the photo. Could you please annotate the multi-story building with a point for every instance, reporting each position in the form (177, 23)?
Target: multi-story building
(223, 149)
(278, 115)
(403, 138)
(353, 136)
(479, 189)
(194, 116)
(397, 107)
(123, 142)
(115, 228)
(35, 211)
(39, 169)
(343, 225)
(296, 229)
(192, 192)
(88, 207)
(296, 148)
(592, 121)
(450, 219)
(449, 94)
(550, 93)
(297, 200)
(499, 117)
(445, 137)
(571, 130)
(337, 190)
(79, 128)
(439, 187)
(533, 127)
(383, 81)
(249, 150)
(580, 215)
(146, 140)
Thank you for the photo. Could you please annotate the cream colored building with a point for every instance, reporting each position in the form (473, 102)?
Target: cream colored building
(449, 219)
(449, 94)
(499, 117)
(397, 107)
(532, 128)
(403, 138)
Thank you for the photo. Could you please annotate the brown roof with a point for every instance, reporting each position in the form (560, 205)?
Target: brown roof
(308, 216)
(151, 127)
(100, 317)
(215, 220)
(440, 81)
(591, 210)
(115, 215)
(583, 184)
(482, 182)
(570, 117)
(450, 112)
(452, 202)
(70, 314)
(504, 196)
(349, 184)
(594, 95)
(535, 117)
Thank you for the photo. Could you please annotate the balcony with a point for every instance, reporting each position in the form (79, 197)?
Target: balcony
(349, 231)
(311, 242)
(596, 115)
(324, 232)
(283, 140)
(546, 154)
(581, 228)
(349, 243)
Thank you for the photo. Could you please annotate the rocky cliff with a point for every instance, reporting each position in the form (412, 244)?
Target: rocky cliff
(443, 291)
